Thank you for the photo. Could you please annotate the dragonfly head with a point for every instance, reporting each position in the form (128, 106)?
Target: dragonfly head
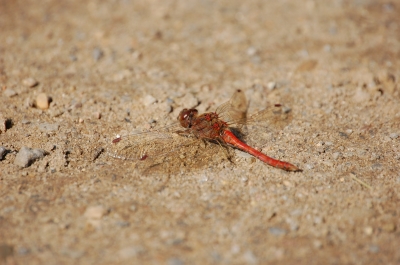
(186, 117)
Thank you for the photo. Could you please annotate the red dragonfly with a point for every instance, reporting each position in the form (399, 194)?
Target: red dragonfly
(220, 126)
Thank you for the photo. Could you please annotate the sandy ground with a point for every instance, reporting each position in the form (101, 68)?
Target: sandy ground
(116, 67)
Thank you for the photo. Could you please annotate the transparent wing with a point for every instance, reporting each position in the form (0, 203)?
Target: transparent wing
(234, 112)
(275, 117)
(158, 153)
(235, 109)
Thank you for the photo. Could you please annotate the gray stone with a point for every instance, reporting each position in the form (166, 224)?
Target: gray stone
(26, 156)
(97, 53)
(48, 127)
(276, 231)
(3, 152)
(9, 92)
(30, 82)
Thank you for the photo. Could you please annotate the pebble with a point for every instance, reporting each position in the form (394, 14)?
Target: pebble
(251, 51)
(387, 139)
(3, 152)
(373, 248)
(50, 147)
(48, 127)
(375, 156)
(56, 112)
(29, 103)
(148, 100)
(287, 183)
(296, 212)
(327, 48)
(361, 95)
(3, 124)
(317, 244)
(394, 135)
(9, 92)
(30, 82)
(377, 166)
(276, 231)
(129, 252)
(122, 223)
(271, 85)
(309, 166)
(26, 156)
(368, 230)
(318, 220)
(97, 115)
(42, 101)
(23, 251)
(97, 54)
(95, 212)
(349, 131)
(73, 254)
(249, 257)
(175, 261)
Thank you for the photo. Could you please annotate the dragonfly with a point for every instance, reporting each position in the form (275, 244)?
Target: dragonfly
(224, 127)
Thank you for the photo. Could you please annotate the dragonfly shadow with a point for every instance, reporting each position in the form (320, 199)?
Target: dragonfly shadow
(180, 159)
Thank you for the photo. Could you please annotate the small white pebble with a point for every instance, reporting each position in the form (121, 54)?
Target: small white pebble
(349, 131)
(9, 93)
(317, 244)
(287, 183)
(394, 135)
(387, 138)
(271, 85)
(94, 212)
(309, 166)
(327, 48)
(368, 230)
(30, 82)
(148, 100)
(129, 252)
(251, 51)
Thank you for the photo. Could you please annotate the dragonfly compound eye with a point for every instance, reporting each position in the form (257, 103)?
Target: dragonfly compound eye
(186, 117)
